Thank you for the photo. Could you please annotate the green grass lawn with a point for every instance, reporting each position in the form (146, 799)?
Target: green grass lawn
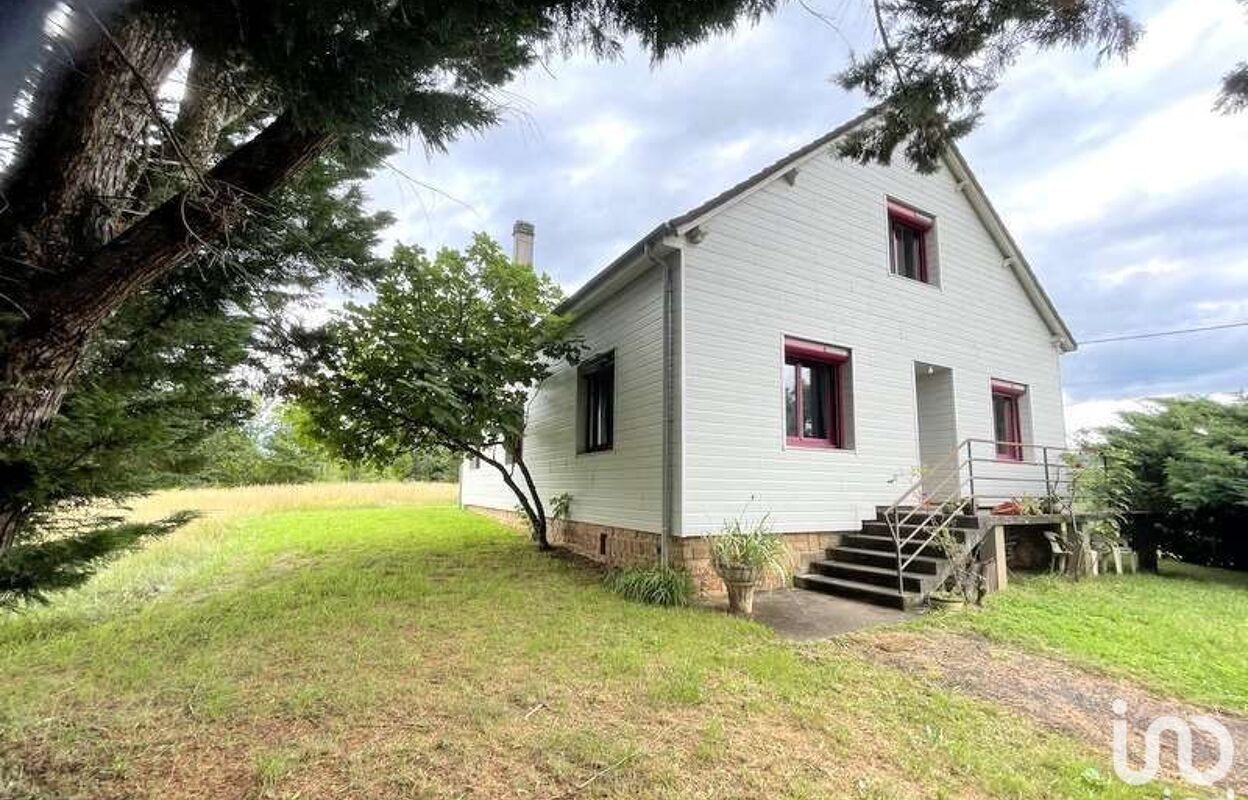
(375, 649)
(1183, 633)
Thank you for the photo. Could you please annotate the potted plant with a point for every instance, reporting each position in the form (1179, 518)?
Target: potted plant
(742, 553)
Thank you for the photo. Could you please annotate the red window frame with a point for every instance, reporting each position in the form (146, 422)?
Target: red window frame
(1009, 448)
(798, 353)
(919, 224)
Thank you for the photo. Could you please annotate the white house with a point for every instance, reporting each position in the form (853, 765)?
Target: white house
(803, 345)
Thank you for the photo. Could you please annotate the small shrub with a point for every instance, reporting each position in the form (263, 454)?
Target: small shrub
(659, 586)
(750, 544)
(560, 506)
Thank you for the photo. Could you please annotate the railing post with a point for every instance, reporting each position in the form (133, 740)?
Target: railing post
(970, 469)
(1048, 487)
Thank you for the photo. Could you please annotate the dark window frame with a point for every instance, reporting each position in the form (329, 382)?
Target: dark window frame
(1007, 397)
(904, 219)
(596, 398)
(832, 361)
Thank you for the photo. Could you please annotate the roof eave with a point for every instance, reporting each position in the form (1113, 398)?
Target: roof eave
(996, 226)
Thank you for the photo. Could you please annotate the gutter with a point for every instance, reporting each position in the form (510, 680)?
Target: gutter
(669, 400)
(643, 247)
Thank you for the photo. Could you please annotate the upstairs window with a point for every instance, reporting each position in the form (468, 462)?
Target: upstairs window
(816, 381)
(1007, 420)
(596, 401)
(910, 243)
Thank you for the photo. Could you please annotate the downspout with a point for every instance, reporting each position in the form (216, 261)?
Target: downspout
(669, 402)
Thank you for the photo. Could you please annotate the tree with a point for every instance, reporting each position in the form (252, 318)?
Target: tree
(80, 235)
(1188, 459)
(107, 200)
(938, 61)
(164, 375)
(448, 354)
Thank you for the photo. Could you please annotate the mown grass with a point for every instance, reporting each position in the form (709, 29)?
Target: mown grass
(1183, 632)
(420, 651)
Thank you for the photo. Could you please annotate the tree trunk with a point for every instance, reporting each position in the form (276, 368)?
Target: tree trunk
(39, 358)
(82, 151)
(540, 531)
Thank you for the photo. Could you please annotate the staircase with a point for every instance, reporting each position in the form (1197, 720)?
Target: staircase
(864, 566)
(898, 558)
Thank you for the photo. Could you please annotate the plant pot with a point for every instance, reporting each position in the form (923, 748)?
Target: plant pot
(944, 602)
(740, 581)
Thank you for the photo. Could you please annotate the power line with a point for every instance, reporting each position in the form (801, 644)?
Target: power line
(1157, 334)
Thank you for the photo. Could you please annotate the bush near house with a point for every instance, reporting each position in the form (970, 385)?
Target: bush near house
(1187, 478)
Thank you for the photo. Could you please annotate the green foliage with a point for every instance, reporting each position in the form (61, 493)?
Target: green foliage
(65, 559)
(287, 451)
(1185, 463)
(657, 585)
(939, 61)
(561, 506)
(160, 395)
(430, 68)
(446, 355)
(742, 543)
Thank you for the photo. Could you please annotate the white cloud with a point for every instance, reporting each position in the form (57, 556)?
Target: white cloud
(1152, 269)
(1086, 416)
(601, 144)
(1169, 153)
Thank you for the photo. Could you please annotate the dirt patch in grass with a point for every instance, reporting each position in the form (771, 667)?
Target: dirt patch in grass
(1060, 695)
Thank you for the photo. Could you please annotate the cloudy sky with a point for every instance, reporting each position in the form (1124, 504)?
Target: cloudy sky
(1128, 194)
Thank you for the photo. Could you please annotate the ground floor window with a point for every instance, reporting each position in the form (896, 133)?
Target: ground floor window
(596, 399)
(1007, 419)
(815, 394)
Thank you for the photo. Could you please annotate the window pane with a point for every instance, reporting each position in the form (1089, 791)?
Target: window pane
(815, 380)
(1006, 428)
(1001, 417)
(790, 400)
(907, 250)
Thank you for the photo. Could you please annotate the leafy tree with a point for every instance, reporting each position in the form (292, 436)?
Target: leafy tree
(282, 447)
(1188, 459)
(83, 230)
(448, 354)
(165, 372)
(112, 206)
(939, 60)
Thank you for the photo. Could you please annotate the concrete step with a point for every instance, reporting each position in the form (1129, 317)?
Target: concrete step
(960, 527)
(927, 565)
(884, 543)
(877, 576)
(855, 590)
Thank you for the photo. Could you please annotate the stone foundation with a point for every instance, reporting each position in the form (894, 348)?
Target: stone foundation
(624, 547)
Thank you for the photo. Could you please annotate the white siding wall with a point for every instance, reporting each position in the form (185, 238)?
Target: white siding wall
(622, 487)
(811, 260)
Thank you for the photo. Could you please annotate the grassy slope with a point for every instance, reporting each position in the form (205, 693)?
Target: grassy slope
(423, 652)
(1183, 633)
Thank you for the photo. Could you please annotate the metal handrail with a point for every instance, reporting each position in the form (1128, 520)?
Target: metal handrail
(928, 495)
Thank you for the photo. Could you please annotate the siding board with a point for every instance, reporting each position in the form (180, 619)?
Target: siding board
(811, 260)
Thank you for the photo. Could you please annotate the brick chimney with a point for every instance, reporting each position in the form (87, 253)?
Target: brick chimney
(522, 238)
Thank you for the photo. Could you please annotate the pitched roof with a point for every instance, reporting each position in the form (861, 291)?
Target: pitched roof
(954, 159)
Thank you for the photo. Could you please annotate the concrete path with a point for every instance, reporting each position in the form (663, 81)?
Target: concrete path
(801, 615)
